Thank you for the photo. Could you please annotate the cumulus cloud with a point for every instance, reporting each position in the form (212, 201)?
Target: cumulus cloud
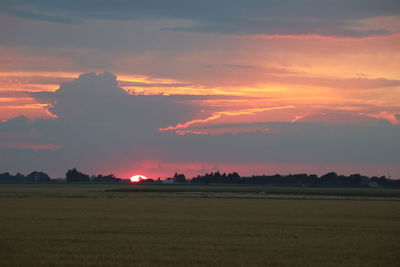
(96, 119)
(92, 96)
(16, 124)
(101, 128)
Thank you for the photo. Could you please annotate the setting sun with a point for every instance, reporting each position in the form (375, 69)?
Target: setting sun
(137, 178)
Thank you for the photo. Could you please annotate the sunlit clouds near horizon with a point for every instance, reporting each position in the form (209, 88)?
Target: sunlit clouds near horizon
(158, 87)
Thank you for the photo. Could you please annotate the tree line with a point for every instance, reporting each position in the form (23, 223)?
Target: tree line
(20, 178)
(72, 175)
(330, 179)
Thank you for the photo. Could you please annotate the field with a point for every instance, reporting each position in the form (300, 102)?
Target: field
(125, 225)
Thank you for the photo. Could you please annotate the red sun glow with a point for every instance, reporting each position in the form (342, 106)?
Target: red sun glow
(138, 178)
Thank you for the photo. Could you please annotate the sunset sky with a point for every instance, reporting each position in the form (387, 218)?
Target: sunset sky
(156, 87)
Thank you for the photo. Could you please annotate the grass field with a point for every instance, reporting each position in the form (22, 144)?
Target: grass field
(87, 225)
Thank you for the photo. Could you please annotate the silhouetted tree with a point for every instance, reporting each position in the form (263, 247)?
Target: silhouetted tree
(147, 181)
(217, 178)
(329, 178)
(38, 177)
(6, 177)
(106, 179)
(180, 178)
(233, 178)
(75, 176)
(354, 179)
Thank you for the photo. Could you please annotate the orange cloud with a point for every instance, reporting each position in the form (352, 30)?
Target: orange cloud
(391, 117)
(218, 115)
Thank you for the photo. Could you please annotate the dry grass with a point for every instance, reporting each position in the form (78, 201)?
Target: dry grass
(151, 231)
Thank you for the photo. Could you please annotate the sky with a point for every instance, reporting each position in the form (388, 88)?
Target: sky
(156, 87)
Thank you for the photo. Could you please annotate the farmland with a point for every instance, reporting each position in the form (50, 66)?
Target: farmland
(126, 225)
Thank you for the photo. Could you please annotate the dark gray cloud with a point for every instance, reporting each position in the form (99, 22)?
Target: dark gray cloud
(342, 118)
(222, 16)
(20, 123)
(300, 143)
(286, 26)
(99, 128)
